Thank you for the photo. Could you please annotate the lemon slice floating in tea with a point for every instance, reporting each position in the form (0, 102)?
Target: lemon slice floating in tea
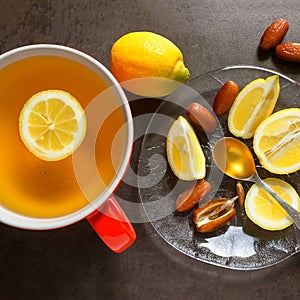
(254, 103)
(264, 211)
(277, 141)
(184, 153)
(52, 124)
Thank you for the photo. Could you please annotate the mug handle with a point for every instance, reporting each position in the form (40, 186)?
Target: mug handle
(112, 225)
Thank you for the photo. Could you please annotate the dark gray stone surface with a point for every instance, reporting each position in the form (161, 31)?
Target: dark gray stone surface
(72, 263)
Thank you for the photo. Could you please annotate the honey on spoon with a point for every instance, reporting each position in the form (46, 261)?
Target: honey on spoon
(235, 159)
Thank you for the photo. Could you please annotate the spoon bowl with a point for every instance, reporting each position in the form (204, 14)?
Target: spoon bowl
(235, 159)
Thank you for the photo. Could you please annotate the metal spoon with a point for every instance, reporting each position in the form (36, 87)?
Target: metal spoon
(235, 159)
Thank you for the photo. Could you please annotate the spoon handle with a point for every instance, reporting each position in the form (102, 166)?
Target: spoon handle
(291, 211)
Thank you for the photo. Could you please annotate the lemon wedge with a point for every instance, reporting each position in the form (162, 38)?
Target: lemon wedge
(277, 141)
(52, 124)
(264, 210)
(254, 103)
(184, 153)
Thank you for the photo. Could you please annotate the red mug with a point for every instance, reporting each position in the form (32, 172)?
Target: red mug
(103, 212)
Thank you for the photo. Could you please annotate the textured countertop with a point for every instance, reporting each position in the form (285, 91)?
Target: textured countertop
(72, 263)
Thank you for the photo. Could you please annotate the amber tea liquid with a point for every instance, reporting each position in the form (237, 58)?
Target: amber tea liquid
(29, 185)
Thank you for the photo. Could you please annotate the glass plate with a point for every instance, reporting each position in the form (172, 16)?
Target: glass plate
(242, 244)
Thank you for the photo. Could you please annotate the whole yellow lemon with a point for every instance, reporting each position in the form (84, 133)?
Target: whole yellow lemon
(147, 64)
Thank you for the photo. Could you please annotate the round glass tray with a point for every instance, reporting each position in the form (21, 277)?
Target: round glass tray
(242, 244)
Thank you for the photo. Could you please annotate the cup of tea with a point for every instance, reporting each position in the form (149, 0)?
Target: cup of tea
(43, 194)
